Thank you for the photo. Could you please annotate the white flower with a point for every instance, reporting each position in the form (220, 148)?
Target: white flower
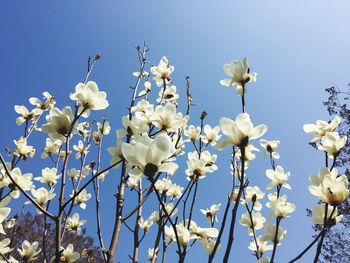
(168, 95)
(239, 74)
(209, 244)
(319, 210)
(116, 152)
(254, 194)
(51, 147)
(165, 118)
(151, 156)
(270, 148)
(152, 253)
(82, 129)
(145, 224)
(132, 127)
(278, 177)
(193, 133)
(68, 255)
(80, 149)
(73, 174)
(174, 191)
(239, 132)
(74, 223)
(198, 167)
(162, 72)
(201, 232)
(26, 115)
(279, 206)
(255, 222)
(332, 144)
(48, 102)
(81, 198)
(89, 97)
(29, 251)
(4, 212)
(211, 135)
(163, 185)
(4, 246)
(321, 128)
(48, 176)
(262, 245)
(183, 234)
(42, 196)
(58, 123)
(211, 212)
(23, 149)
(23, 180)
(270, 231)
(143, 74)
(330, 187)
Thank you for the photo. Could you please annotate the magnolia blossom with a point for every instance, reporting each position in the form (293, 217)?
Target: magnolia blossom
(198, 167)
(174, 191)
(73, 174)
(270, 148)
(330, 187)
(239, 132)
(116, 152)
(211, 212)
(165, 186)
(211, 135)
(278, 177)
(4, 212)
(23, 150)
(254, 221)
(249, 155)
(263, 259)
(29, 251)
(89, 97)
(147, 85)
(332, 144)
(145, 224)
(151, 155)
(47, 103)
(80, 149)
(193, 133)
(263, 246)
(165, 118)
(42, 196)
(183, 234)
(24, 181)
(48, 176)
(51, 147)
(279, 205)
(253, 194)
(202, 233)
(162, 72)
(152, 253)
(132, 127)
(321, 128)
(26, 115)
(4, 246)
(239, 74)
(318, 214)
(68, 255)
(209, 244)
(80, 199)
(58, 123)
(169, 94)
(270, 232)
(82, 129)
(74, 223)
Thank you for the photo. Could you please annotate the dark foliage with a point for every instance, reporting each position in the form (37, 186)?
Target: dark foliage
(336, 247)
(31, 228)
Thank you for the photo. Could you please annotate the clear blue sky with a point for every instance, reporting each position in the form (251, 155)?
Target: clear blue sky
(298, 48)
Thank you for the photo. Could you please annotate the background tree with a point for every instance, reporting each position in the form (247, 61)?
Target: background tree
(31, 227)
(336, 246)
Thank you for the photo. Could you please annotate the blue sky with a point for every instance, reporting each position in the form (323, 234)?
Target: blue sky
(298, 48)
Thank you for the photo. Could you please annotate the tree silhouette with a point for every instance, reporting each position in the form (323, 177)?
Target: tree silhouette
(31, 228)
